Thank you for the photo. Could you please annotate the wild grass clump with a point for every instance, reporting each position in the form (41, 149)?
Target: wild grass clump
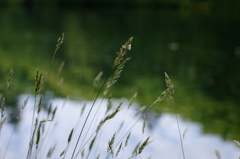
(82, 147)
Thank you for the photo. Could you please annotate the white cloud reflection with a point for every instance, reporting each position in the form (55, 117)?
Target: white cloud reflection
(164, 135)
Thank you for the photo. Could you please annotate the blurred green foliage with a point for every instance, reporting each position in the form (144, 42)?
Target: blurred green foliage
(199, 51)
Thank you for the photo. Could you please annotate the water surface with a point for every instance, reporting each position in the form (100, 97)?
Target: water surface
(162, 130)
(199, 51)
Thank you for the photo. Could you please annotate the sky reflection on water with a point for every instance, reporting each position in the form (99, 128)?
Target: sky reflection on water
(162, 130)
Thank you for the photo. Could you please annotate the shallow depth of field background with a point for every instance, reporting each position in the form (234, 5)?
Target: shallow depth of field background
(196, 43)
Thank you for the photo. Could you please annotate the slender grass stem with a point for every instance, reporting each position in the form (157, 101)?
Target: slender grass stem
(92, 121)
(9, 142)
(31, 133)
(179, 131)
(171, 94)
(88, 117)
(130, 129)
(59, 43)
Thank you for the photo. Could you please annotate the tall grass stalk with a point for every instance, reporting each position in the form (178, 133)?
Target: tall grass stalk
(3, 106)
(130, 129)
(85, 121)
(3, 102)
(119, 63)
(40, 131)
(15, 126)
(110, 145)
(38, 86)
(59, 43)
(94, 116)
(51, 116)
(170, 89)
(69, 140)
(3, 119)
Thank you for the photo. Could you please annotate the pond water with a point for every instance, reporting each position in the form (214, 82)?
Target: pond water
(162, 130)
(200, 51)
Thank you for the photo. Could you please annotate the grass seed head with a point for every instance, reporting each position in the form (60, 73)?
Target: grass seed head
(38, 135)
(83, 108)
(132, 99)
(3, 106)
(60, 84)
(119, 149)
(54, 113)
(135, 150)
(2, 122)
(97, 79)
(127, 139)
(169, 86)
(145, 143)
(62, 153)
(109, 104)
(61, 67)
(50, 151)
(108, 117)
(122, 52)
(144, 123)
(38, 82)
(49, 110)
(92, 142)
(237, 142)
(82, 152)
(160, 98)
(110, 145)
(185, 131)
(112, 80)
(98, 156)
(140, 110)
(25, 102)
(217, 153)
(59, 42)
(70, 136)
(9, 81)
(40, 104)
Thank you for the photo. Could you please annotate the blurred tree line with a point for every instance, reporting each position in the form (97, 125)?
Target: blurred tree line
(164, 4)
